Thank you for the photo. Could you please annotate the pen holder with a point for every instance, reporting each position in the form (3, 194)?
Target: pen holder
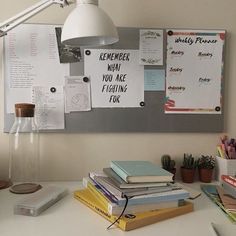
(225, 167)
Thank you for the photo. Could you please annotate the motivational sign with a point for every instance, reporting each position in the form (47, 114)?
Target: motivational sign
(117, 79)
(194, 71)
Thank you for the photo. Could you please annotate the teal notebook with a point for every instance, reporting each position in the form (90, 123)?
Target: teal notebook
(140, 172)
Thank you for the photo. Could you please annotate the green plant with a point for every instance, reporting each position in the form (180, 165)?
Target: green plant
(189, 162)
(167, 163)
(206, 162)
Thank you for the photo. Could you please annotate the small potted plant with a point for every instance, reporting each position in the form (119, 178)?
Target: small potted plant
(205, 166)
(188, 168)
(168, 164)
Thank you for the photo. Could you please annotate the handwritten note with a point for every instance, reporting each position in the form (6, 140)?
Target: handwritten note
(194, 71)
(117, 79)
(49, 107)
(31, 59)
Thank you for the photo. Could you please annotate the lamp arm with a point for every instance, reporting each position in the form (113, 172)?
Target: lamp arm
(28, 13)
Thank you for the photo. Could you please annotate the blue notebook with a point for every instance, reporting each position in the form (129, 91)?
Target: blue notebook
(140, 172)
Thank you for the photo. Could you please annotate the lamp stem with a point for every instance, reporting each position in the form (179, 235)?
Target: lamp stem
(27, 14)
(94, 2)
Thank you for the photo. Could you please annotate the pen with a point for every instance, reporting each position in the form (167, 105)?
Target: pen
(215, 231)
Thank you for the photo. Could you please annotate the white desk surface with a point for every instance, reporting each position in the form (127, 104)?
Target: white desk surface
(69, 217)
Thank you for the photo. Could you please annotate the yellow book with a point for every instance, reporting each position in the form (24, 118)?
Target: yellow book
(96, 192)
(129, 222)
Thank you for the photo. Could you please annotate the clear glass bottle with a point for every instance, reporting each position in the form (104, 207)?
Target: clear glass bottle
(24, 150)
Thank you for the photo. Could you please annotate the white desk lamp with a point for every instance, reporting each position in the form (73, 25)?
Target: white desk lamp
(86, 25)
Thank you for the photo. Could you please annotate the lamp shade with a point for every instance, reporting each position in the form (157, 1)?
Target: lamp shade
(87, 25)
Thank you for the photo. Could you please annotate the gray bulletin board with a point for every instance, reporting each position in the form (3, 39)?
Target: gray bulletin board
(150, 118)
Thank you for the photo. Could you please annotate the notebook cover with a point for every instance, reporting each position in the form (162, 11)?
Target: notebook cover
(140, 171)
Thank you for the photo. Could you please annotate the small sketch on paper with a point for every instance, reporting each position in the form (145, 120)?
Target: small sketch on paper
(77, 94)
(80, 101)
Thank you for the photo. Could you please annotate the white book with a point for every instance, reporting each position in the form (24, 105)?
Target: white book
(115, 209)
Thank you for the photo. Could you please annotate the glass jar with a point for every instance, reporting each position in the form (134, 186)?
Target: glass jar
(24, 150)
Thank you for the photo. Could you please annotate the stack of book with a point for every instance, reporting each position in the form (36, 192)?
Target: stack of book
(132, 194)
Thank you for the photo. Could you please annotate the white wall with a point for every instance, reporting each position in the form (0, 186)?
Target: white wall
(72, 156)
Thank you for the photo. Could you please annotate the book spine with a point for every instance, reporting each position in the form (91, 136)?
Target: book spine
(133, 209)
(99, 195)
(114, 191)
(138, 220)
(119, 171)
(229, 180)
(155, 198)
(98, 209)
(112, 198)
(116, 178)
(112, 208)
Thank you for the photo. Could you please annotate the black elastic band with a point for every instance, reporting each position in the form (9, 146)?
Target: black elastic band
(126, 203)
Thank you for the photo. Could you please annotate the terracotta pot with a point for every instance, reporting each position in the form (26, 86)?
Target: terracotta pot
(205, 175)
(187, 175)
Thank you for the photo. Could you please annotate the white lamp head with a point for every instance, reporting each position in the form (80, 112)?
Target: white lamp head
(87, 25)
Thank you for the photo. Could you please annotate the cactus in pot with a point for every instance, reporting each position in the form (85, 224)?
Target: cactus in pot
(188, 168)
(205, 167)
(168, 164)
(189, 162)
